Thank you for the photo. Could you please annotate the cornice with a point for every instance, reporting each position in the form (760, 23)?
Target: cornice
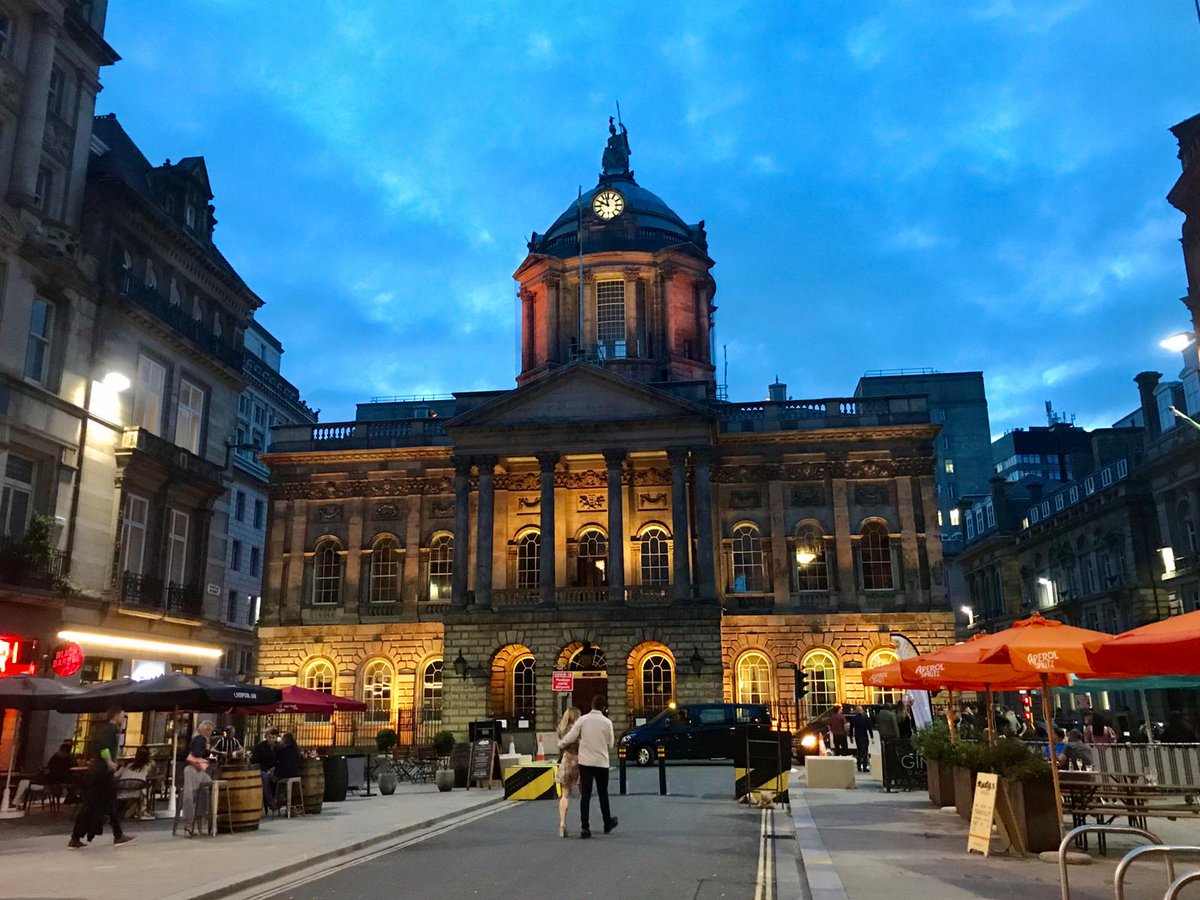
(441, 453)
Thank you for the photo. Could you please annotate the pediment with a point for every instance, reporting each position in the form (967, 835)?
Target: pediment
(578, 394)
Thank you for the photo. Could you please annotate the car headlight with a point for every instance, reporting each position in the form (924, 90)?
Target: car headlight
(625, 739)
(809, 741)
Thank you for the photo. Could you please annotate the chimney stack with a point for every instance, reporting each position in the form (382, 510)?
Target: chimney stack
(1147, 382)
(777, 392)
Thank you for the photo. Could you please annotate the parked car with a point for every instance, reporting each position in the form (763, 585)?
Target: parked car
(695, 731)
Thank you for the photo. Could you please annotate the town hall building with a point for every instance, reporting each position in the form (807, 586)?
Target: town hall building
(611, 515)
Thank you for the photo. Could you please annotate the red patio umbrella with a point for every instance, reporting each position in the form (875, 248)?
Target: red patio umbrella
(301, 700)
(1169, 647)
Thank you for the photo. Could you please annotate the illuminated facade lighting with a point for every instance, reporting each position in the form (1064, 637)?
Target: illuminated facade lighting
(141, 645)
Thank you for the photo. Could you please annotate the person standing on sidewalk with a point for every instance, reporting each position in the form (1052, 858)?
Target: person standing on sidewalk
(100, 788)
(838, 729)
(860, 725)
(594, 732)
(567, 775)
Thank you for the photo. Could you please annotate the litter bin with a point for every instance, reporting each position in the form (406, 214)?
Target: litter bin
(337, 778)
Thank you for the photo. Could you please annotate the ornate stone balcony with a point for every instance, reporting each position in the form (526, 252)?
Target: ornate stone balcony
(137, 442)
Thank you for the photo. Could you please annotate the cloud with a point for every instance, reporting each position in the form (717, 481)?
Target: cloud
(866, 44)
(1036, 16)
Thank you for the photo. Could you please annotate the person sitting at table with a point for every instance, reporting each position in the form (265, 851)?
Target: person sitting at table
(51, 778)
(141, 770)
(287, 764)
(1076, 754)
(263, 756)
(196, 778)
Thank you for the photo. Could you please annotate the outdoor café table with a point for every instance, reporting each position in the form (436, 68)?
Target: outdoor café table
(1109, 796)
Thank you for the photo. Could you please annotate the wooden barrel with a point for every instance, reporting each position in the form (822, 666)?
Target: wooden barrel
(241, 807)
(312, 778)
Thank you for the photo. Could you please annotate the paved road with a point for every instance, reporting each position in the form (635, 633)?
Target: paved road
(694, 844)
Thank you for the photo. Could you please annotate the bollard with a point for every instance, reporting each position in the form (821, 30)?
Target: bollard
(621, 767)
(662, 770)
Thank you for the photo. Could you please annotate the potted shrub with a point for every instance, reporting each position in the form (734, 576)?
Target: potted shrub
(443, 743)
(967, 762)
(934, 744)
(1026, 782)
(385, 740)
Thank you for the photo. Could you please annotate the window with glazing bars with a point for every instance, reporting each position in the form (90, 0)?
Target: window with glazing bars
(812, 569)
(657, 684)
(431, 692)
(656, 557)
(592, 559)
(441, 566)
(875, 558)
(377, 691)
(524, 689)
(327, 574)
(610, 314)
(529, 560)
(385, 572)
(746, 564)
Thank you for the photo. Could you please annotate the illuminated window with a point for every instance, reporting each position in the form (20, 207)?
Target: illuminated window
(148, 394)
(377, 690)
(753, 678)
(319, 676)
(812, 569)
(524, 688)
(746, 560)
(529, 560)
(954, 517)
(875, 558)
(133, 534)
(654, 547)
(610, 318)
(190, 417)
(882, 657)
(821, 668)
(431, 692)
(441, 566)
(327, 573)
(948, 466)
(385, 571)
(592, 553)
(658, 683)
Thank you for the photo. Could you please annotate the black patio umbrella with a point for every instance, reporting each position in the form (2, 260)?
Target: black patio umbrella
(24, 693)
(176, 691)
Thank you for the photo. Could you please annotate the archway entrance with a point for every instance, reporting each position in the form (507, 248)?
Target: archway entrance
(591, 675)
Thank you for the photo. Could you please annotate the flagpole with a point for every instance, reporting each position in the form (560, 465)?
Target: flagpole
(579, 241)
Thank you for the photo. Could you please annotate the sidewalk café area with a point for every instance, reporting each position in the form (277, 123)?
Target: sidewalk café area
(1025, 797)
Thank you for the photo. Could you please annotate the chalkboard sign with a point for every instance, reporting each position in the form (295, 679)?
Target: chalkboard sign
(483, 758)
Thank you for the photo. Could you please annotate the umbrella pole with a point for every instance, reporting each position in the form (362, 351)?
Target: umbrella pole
(950, 715)
(1053, 757)
(991, 715)
(7, 811)
(169, 812)
(1146, 717)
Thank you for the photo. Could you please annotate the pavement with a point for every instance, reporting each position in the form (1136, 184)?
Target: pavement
(864, 844)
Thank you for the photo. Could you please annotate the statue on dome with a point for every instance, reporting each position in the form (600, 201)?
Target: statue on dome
(617, 152)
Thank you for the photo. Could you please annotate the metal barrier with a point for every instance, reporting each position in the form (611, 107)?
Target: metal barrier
(1180, 883)
(1063, 877)
(1132, 856)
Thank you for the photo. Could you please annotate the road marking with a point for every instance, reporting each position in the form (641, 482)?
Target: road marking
(764, 884)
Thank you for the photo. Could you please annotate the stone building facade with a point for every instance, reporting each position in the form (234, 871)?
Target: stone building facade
(609, 516)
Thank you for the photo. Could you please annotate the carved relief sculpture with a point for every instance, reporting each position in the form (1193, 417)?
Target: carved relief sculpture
(871, 494)
(808, 495)
(332, 513)
(593, 502)
(652, 501)
(529, 506)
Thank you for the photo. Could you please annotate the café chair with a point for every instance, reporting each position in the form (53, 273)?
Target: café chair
(292, 788)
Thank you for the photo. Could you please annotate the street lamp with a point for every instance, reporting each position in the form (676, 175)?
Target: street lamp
(460, 666)
(1177, 343)
(697, 661)
(970, 614)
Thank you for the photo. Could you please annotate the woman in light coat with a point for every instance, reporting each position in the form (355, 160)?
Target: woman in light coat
(568, 767)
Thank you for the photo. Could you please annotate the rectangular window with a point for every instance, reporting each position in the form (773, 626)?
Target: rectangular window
(1059, 502)
(979, 520)
(235, 556)
(37, 350)
(970, 527)
(133, 534)
(610, 318)
(260, 415)
(948, 465)
(239, 506)
(177, 548)
(148, 394)
(954, 518)
(259, 440)
(189, 215)
(231, 613)
(16, 498)
(244, 406)
(55, 95)
(255, 561)
(43, 190)
(260, 509)
(939, 518)
(991, 515)
(191, 417)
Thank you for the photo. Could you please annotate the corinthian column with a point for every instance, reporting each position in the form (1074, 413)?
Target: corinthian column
(705, 569)
(613, 461)
(31, 125)
(483, 531)
(682, 537)
(546, 464)
(462, 531)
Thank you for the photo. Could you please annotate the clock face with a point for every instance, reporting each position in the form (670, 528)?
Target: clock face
(608, 204)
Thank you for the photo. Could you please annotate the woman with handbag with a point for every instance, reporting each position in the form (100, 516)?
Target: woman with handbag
(196, 778)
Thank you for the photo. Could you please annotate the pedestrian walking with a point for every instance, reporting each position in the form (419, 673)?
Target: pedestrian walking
(860, 726)
(100, 787)
(839, 730)
(887, 724)
(594, 732)
(196, 779)
(568, 766)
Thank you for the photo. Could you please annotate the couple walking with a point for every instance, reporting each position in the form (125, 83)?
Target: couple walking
(583, 744)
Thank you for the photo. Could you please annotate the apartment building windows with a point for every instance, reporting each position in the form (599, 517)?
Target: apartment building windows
(148, 394)
(190, 417)
(41, 336)
(16, 498)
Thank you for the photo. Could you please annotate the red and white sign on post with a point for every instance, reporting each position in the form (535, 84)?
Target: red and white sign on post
(562, 682)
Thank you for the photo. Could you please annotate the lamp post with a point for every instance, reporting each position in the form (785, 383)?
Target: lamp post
(1178, 343)
(969, 612)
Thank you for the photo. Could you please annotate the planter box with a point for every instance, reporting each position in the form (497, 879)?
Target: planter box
(1032, 803)
(964, 791)
(941, 783)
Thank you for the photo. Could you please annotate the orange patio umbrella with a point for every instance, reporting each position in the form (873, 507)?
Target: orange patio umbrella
(1169, 647)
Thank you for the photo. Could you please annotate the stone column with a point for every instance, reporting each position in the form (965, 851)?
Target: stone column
(355, 512)
(412, 588)
(631, 311)
(847, 589)
(614, 460)
(528, 342)
(706, 576)
(679, 523)
(293, 599)
(462, 531)
(483, 532)
(546, 464)
(31, 124)
(550, 285)
(85, 110)
(910, 565)
(781, 581)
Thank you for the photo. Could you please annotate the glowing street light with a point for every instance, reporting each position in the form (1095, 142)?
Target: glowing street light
(1177, 343)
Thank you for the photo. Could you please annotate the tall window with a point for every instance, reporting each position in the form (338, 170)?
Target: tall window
(431, 692)
(753, 678)
(255, 561)
(529, 560)
(441, 566)
(821, 668)
(37, 350)
(16, 498)
(151, 276)
(133, 534)
(658, 683)
(148, 394)
(385, 571)
(235, 555)
(656, 557)
(260, 509)
(882, 657)
(377, 690)
(746, 560)
(592, 559)
(812, 568)
(875, 558)
(58, 86)
(319, 676)
(177, 543)
(239, 506)
(43, 189)
(327, 573)
(524, 689)
(610, 318)
(190, 418)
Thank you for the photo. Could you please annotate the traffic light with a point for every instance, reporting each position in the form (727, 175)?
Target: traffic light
(801, 683)
(1027, 707)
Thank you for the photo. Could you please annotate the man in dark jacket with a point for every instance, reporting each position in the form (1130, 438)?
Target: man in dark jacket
(860, 727)
(263, 756)
(100, 788)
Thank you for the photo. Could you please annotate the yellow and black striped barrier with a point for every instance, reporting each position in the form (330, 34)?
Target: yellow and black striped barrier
(531, 782)
(761, 763)
(761, 778)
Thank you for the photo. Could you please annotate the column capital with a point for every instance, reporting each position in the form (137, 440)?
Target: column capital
(547, 460)
(526, 294)
(462, 465)
(677, 456)
(487, 463)
(704, 456)
(615, 459)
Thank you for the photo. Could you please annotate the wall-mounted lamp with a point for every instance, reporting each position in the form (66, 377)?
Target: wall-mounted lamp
(697, 661)
(460, 666)
(969, 612)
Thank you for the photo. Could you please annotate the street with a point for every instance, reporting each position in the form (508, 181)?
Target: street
(693, 844)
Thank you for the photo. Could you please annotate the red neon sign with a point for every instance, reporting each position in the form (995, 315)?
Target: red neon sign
(16, 656)
(68, 659)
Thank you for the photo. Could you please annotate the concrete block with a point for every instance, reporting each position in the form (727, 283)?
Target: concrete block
(836, 772)
(877, 764)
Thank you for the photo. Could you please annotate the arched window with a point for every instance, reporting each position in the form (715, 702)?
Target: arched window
(151, 275)
(753, 678)
(529, 560)
(319, 676)
(524, 688)
(882, 657)
(655, 553)
(377, 690)
(592, 559)
(822, 671)
(587, 658)
(746, 560)
(431, 693)
(327, 573)
(812, 568)
(658, 683)
(875, 558)
(441, 566)
(385, 571)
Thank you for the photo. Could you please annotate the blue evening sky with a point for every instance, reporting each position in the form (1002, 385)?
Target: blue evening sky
(963, 184)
